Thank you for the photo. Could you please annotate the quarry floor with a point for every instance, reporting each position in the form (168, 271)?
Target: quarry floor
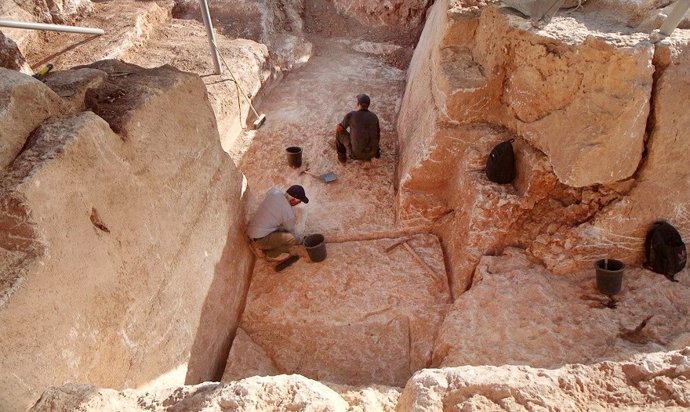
(347, 310)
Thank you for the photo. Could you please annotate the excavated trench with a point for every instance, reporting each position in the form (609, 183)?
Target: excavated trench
(381, 306)
(358, 317)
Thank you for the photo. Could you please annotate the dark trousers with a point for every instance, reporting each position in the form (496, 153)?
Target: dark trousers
(342, 142)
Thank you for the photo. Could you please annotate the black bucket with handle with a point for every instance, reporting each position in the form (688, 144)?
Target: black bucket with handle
(294, 156)
(316, 247)
(609, 276)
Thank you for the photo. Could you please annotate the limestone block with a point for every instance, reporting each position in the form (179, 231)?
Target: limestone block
(572, 99)
(661, 187)
(549, 313)
(24, 104)
(11, 57)
(131, 257)
(653, 381)
(360, 317)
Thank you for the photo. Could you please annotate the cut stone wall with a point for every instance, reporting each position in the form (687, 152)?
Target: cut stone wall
(127, 250)
(582, 103)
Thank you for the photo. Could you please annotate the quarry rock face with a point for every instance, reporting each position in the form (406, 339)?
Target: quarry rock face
(50, 12)
(120, 242)
(24, 104)
(661, 188)
(578, 104)
(54, 11)
(397, 13)
(278, 25)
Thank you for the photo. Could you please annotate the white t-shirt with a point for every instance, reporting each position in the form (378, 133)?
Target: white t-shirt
(274, 213)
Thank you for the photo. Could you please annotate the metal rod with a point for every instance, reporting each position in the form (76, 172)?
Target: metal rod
(674, 17)
(50, 27)
(206, 15)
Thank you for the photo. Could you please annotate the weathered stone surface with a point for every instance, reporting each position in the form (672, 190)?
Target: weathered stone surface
(552, 92)
(398, 13)
(24, 103)
(482, 78)
(643, 15)
(542, 89)
(657, 381)
(53, 11)
(553, 320)
(662, 186)
(11, 57)
(72, 85)
(278, 25)
(129, 23)
(356, 318)
(275, 393)
(181, 45)
(131, 257)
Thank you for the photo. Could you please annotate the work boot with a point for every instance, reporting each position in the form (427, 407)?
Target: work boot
(342, 157)
(286, 263)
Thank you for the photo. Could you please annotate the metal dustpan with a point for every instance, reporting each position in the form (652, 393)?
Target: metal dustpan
(327, 177)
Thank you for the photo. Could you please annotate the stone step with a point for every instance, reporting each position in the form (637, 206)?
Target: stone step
(361, 316)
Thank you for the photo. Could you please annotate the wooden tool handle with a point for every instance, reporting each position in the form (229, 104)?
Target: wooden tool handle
(421, 262)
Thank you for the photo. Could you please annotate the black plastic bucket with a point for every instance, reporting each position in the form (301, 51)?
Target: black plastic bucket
(294, 156)
(609, 276)
(316, 247)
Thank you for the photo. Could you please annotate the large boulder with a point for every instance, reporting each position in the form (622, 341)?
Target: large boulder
(11, 57)
(24, 104)
(121, 242)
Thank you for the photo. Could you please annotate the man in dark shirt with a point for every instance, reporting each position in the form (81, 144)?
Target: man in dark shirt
(362, 141)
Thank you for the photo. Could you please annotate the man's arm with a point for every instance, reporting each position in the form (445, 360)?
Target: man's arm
(342, 126)
(378, 139)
